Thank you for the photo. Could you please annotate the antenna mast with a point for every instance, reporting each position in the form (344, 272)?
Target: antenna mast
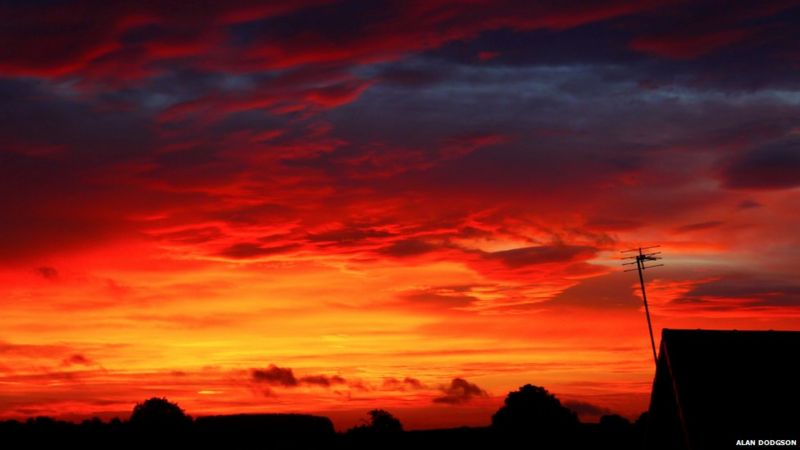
(640, 259)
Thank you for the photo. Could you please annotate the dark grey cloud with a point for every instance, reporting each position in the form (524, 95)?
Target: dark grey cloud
(47, 272)
(285, 377)
(459, 391)
(322, 380)
(405, 384)
(275, 376)
(77, 359)
(738, 291)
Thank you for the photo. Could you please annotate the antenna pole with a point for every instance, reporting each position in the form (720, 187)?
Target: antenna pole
(641, 257)
(639, 266)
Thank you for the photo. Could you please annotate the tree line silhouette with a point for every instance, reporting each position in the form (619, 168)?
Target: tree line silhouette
(531, 415)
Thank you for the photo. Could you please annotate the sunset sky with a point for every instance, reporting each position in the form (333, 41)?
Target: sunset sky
(334, 206)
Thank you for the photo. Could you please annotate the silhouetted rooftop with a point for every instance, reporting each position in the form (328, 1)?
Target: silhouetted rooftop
(713, 388)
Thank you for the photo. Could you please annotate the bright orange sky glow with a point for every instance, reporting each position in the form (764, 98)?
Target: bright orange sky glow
(293, 209)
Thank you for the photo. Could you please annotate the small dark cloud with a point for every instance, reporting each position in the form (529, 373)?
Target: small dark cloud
(323, 380)
(48, 273)
(698, 226)
(275, 376)
(407, 383)
(749, 204)
(413, 382)
(77, 359)
(586, 409)
(285, 377)
(459, 391)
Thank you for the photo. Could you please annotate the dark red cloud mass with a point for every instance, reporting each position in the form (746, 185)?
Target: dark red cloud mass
(274, 375)
(459, 391)
(382, 194)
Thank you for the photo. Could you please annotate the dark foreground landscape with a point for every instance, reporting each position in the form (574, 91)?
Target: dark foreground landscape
(531, 418)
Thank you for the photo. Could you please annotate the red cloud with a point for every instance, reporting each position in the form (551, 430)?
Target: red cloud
(74, 37)
(284, 95)
(336, 94)
(117, 41)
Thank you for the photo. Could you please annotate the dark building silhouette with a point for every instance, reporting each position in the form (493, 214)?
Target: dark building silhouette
(714, 388)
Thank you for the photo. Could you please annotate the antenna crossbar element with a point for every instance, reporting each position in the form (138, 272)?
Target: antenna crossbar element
(639, 249)
(639, 259)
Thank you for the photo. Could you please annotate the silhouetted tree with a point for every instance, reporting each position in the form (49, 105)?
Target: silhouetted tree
(533, 410)
(380, 421)
(159, 414)
(384, 422)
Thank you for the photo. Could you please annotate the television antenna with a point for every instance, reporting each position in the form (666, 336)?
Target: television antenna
(643, 256)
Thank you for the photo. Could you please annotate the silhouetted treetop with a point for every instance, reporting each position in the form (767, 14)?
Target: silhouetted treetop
(380, 421)
(384, 421)
(159, 413)
(533, 409)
